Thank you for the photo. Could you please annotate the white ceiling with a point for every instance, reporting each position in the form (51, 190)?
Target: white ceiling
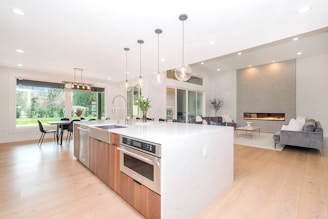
(59, 35)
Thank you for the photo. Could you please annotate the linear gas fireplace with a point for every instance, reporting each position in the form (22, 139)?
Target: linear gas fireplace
(265, 116)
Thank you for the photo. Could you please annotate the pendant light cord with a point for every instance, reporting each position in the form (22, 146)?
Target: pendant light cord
(74, 74)
(183, 43)
(126, 65)
(158, 54)
(140, 62)
(81, 74)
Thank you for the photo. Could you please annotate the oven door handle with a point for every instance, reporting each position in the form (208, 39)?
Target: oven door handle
(149, 161)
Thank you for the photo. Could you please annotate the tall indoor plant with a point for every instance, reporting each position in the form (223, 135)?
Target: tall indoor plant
(216, 103)
(144, 105)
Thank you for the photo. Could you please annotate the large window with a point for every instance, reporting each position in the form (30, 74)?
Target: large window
(46, 101)
(89, 102)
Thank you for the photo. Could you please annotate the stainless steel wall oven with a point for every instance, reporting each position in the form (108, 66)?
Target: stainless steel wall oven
(141, 160)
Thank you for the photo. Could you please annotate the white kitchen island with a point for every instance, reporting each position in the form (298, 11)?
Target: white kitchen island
(196, 163)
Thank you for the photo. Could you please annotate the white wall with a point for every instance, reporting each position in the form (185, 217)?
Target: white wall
(312, 88)
(8, 76)
(224, 85)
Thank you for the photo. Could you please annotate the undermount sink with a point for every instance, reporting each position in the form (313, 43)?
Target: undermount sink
(109, 126)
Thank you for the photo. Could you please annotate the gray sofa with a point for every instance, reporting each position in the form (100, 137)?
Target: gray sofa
(216, 120)
(310, 137)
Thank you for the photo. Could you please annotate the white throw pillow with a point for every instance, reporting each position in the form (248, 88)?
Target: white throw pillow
(294, 125)
(199, 119)
(284, 127)
(204, 122)
(301, 120)
(226, 118)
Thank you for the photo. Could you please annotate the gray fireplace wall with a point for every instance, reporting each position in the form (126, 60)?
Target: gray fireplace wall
(267, 88)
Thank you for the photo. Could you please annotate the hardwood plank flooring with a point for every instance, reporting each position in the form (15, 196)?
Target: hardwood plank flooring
(48, 182)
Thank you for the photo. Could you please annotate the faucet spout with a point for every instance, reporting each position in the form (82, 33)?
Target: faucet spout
(126, 106)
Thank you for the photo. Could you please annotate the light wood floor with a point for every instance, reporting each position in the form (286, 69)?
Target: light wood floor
(50, 183)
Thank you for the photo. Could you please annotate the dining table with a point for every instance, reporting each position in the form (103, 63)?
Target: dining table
(59, 134)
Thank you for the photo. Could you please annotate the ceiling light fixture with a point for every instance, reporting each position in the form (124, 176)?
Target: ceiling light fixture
(183, 72)
(140, 75)
(76, 85)
(239, 53)
(158, 77)
(19, 51)
(299, 53)
(304, 9)
(202, 63)
(212, 42)
(18, 11)
(295, 38)
(126, 68)
(19, 65)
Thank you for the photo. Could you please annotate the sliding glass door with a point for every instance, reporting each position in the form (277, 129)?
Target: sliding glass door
(183, 105)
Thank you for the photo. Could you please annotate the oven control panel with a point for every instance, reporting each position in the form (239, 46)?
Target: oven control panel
(151, 148)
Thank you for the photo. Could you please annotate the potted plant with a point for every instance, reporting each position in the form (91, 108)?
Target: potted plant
(144, 105)
(78, 112)
(216, 103)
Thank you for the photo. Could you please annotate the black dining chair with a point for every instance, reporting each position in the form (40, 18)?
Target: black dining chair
(162, 120)
(44, 132)
(71, 128)
(63, 128)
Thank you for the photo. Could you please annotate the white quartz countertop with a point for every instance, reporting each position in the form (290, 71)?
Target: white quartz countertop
(158, 132)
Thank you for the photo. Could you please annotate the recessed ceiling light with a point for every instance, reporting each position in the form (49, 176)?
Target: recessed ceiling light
(212, 42)
(18, 11)
(127, 72)
(273, 61)
(218, 69)
(202, 63)
(19, 65)
(295, 38)
(109, 78)
(299, 53)
(239, 53)
(304, 9)
(250, 66)
(162, 60)
(19, 51)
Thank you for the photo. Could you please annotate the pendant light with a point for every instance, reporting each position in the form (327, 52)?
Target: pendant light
(183, 72)
(76, 85)
(126, 83)
(140, 75)
(158, 78)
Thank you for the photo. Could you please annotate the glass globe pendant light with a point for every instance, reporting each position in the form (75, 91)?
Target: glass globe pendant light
(183, 72)
(126, 83)
(140, 75)
(158, 78)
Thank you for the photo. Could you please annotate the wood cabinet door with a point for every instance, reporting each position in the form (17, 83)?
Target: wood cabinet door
(114, 162)
(76, 141)
(92, 154)
(102, 161)
(127, 188)
(144, 200)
